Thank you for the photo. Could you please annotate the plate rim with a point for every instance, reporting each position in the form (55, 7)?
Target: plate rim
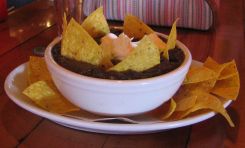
(100, 127)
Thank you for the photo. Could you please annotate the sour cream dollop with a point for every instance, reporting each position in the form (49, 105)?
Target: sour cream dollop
(117, 47)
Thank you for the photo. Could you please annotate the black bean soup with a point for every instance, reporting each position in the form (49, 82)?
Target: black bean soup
(176, 57)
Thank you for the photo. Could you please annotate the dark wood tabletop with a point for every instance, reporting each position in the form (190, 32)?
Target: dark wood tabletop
(34, 25)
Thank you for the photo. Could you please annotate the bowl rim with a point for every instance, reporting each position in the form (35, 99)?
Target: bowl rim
(51, 62)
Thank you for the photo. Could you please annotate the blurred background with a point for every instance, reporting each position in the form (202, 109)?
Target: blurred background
(13, 4)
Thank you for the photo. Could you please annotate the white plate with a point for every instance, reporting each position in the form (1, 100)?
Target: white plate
(16, 82)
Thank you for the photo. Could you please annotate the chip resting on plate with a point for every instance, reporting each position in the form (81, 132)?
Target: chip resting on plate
(171, 109)
(199, 74)
(185, 98)
(202, 91)
(213, 65)
(45, 95)
(95, 24)
(223, 71)
(227, 88)
(164, 111)
(143, 57)
(135, 28)
(172, 38)
(37, 70)
(79, 45)
(206, 101)
(228, 83)
(229, 70)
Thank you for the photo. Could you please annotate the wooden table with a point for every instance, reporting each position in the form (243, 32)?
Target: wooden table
(34, 25)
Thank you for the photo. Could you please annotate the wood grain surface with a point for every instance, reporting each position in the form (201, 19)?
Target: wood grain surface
(34, 25)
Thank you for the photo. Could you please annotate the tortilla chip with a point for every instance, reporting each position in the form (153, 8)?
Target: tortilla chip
(37, 70)
(213, 65)
(133, 27)
(224, 71)
(170, 111)
(158, 42)
(79, 45)
(46, 96)
(143, 57)
(64, 25)
(227, 88)
(164, 111)
(207, 101)
(229, 70)
(187, 94)
(199, 74)
(106, 62)
(172, 38)
(185, 100)
(95, 24)
(206, 85)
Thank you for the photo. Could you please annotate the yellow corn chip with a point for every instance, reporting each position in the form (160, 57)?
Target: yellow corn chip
(213, 65)
(106, 62)
(207, 101)
(229, 70)
(227, 88)
(187, 94)
(194, 98)
(199, 74)
(144, 56)
(64, 25)
(133, 27)
(158, 42)
(95, 24)
(39, 90)
(37, 70)
(79, 45)
(164, 111)
(224, 71)
(185, 100)
(206, 85)
(170, 111)
(46, 96)
(172, 38)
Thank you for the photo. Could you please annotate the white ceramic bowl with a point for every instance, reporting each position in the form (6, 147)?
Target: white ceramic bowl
(117, 97)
